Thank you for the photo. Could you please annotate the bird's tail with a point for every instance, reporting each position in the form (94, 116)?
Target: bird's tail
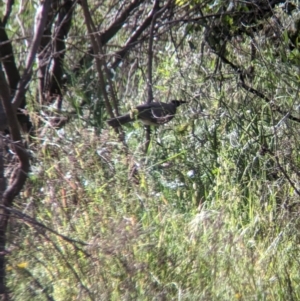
(114, 122)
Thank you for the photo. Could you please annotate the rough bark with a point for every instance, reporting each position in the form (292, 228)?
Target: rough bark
(9, 190)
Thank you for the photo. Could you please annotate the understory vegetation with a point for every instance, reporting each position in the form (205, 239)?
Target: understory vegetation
(208, 208)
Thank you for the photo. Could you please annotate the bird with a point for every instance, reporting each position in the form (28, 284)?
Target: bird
(153, 113)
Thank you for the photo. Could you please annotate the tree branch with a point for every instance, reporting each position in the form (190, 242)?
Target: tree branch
(18, 177)
(261, 95)
(108, 34)
(9, 5)
(40, 22)
(155, 13)
(96, 49)
(131, 42)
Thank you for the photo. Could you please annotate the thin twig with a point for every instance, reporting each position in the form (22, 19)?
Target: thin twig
(34, 222)
(155, 13)
(261, 95)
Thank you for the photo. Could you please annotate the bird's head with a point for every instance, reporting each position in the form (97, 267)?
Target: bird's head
(177, 103)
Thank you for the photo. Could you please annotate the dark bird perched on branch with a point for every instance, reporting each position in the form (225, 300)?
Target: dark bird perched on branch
(153, 113)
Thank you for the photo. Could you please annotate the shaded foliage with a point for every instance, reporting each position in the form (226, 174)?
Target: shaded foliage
(122, 193)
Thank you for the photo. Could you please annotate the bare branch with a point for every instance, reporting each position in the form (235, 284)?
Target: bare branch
(109, 33)
(132, 41)
(119, 22)
(155, 14)
(41, 227)
(61, 32)
(8, 60)
(96, 48)
(9, 5)
(150, 51)
(19, 176)
(40, 22)
(261, 95)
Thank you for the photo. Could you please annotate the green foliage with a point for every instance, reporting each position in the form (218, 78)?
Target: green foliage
(210, 212)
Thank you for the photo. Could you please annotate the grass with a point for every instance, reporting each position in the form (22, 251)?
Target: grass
(209, 213)
(219, 233)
